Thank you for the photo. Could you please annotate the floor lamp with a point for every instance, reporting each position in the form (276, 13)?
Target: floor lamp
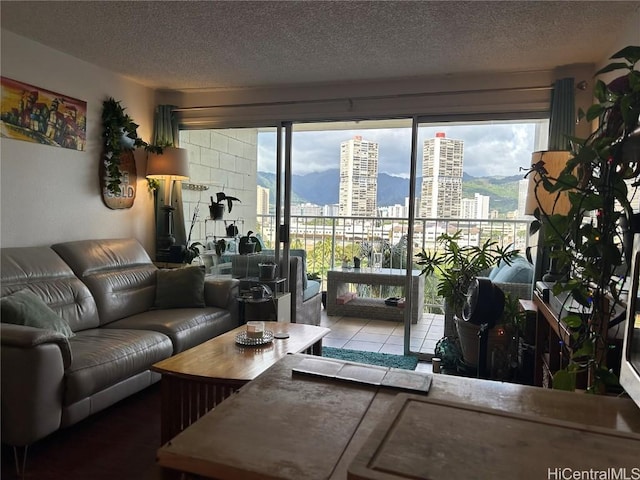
(553, 162)
(170, 165)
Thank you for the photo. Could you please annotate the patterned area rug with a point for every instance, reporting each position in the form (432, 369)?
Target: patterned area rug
(372, 358)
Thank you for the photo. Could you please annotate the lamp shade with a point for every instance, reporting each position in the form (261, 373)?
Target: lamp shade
(554, 163)
(172, 163)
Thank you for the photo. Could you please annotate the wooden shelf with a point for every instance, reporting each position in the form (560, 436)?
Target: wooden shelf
(553, 346)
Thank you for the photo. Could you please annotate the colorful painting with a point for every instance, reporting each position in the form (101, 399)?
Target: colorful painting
(36, 115)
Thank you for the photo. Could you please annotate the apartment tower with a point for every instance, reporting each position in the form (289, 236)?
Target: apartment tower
(441, 193)
(262, 201)
(358, 178)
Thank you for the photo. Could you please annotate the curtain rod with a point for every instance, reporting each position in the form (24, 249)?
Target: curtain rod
(366, 98)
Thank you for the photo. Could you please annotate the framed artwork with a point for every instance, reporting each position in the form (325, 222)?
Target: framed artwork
(36, 115)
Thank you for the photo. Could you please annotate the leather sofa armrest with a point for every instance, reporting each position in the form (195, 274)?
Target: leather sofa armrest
(32, 363)
(21, 336)
(222, 293)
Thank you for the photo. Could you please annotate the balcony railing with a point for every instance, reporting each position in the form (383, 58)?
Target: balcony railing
(330, 241)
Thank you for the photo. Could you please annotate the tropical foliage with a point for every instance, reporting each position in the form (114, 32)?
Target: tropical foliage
(119, 134)
(586, 242)
(457, 264)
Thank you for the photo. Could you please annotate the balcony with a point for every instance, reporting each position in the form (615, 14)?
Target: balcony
(330, 241)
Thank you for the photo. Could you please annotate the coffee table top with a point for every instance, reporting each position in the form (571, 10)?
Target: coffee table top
(293, 426)
(221, 358)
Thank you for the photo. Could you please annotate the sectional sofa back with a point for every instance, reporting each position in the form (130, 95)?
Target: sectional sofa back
(118, 272)
(43, 272)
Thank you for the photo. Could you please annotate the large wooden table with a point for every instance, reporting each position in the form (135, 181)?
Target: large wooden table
(286, 425)
(196, 380)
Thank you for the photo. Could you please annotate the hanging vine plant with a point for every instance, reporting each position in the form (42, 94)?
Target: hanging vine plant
(119, 135)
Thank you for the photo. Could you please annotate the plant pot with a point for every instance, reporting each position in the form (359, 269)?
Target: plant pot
(449, 321)
(469, 341)
(267, 271)
(232, 230)
(324, 299)
(216, 211)
(246, 247)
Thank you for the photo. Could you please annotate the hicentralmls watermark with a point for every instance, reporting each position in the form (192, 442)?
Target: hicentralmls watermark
(612, 473)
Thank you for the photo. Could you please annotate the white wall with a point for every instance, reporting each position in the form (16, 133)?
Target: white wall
(50, 194)
(224, 160)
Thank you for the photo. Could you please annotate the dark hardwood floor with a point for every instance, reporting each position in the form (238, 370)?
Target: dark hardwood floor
(117, 443)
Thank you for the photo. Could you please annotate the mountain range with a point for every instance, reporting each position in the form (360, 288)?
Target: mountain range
(322, 188)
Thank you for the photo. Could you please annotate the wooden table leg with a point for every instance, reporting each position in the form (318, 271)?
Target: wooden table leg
(316, 348)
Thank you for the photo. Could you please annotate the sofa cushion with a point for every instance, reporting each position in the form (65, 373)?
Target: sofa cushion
(103, 357)
(186, 327)
(118, 272)
(42, 271)
(495, 270)
(313, 288)
(180, 288)
(520, 271)
(220, 292)
(26, 308)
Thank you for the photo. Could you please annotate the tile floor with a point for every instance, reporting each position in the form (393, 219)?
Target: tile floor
(383, 336)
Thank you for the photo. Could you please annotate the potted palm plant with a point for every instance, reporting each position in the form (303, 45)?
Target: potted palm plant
(456, 265)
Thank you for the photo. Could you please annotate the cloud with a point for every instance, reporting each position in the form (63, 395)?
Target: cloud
(490, 149)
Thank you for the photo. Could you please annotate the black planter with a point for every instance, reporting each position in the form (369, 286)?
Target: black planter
(324, 299)
(245, 248)
(216, 211)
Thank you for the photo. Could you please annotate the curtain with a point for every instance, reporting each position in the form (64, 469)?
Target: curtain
(562, 120)
(165, 126)
(165, 134)
(562, 125)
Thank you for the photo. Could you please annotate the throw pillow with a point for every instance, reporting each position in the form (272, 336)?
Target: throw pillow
(180, 288)
(520, 271)
(26, 308)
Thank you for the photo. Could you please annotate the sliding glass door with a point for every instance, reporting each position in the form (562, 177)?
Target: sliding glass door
(346, 195)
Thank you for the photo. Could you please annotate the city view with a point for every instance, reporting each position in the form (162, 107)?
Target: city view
(361, 196)
(474, 172)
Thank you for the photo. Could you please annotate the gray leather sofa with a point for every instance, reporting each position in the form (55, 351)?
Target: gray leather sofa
(306, 301)
(105, 290)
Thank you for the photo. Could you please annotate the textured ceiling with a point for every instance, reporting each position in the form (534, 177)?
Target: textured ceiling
(216, 44)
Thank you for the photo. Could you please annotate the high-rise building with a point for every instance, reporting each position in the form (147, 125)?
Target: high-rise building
(468, 208)
(262, 201)
(523, 190)
(482, 206)
(476, 208)
(358, 178)
(441, 177)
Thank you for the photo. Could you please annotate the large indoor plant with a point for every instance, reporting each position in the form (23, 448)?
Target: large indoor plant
(586, 243)
(456, 265)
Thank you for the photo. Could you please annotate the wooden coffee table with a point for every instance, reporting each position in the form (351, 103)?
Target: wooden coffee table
(196, 380)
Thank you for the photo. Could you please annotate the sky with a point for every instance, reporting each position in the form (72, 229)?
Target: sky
(490, 149)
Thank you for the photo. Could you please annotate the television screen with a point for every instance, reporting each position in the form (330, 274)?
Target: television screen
(630, 367)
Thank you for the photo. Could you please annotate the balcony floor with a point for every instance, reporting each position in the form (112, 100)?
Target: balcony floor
(383, 336)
